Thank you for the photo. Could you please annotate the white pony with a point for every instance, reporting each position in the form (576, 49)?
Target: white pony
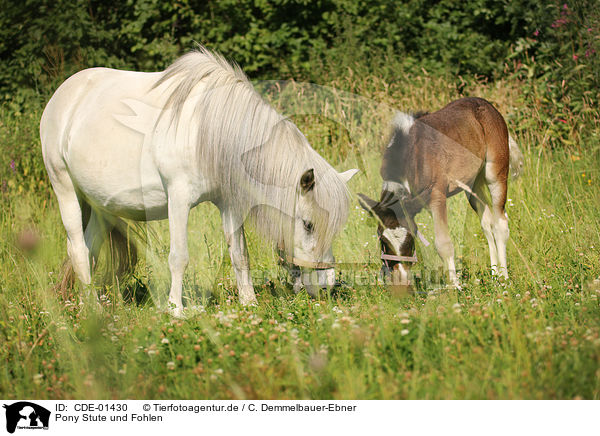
(147, 146)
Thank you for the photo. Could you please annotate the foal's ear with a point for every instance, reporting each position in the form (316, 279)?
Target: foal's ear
(307, 181)
(367, 203)
(375, 209)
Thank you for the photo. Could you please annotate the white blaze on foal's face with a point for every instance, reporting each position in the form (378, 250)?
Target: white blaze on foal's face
(395, 239)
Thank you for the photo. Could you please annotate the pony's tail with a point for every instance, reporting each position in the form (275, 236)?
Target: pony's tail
(515, 158)
(121, 259)
(123, 254)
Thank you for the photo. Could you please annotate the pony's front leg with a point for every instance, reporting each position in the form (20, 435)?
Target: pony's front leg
(238, 251)
(179, 210)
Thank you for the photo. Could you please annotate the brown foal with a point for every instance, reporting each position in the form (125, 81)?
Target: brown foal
(463, 147)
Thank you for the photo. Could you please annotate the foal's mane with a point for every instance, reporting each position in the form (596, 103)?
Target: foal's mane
(399, 139)
(255, 155)
(401, 124)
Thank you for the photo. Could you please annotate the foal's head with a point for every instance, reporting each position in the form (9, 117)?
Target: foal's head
(395, 230)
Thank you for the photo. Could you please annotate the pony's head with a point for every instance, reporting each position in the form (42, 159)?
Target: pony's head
(319, 214)
(297, 200)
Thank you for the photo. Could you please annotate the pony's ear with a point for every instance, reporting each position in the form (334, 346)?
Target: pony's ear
(347, 175)
(367, 203)
(307, 181)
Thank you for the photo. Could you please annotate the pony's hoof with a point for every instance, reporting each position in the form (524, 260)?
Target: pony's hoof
(92, 304)
(503, 280)
(297, 288)
(251, 301)
(456, 286)
(175, 311)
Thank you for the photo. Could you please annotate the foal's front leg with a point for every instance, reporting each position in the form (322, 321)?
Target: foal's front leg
(238, 251)
(443, 243)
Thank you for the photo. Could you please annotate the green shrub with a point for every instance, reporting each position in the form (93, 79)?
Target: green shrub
(559, 66)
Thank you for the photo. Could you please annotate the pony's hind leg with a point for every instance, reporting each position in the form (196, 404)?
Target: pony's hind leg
(70, 205)
(105, 228)
(95, 234)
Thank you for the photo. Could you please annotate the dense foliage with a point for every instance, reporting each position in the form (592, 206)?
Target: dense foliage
(42, 42)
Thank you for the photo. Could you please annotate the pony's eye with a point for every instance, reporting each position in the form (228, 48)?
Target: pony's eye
(308, 226)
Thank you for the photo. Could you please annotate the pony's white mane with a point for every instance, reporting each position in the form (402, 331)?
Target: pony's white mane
(255, 155)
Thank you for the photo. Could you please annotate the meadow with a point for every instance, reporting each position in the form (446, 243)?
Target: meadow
(535, 337)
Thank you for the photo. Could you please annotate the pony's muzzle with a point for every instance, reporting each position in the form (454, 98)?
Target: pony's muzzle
(317, 279)
(313, 276)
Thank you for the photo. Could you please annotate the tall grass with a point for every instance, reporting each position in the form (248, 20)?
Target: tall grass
(537, 336)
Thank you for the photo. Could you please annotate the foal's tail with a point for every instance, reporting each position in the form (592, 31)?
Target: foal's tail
(515, 158)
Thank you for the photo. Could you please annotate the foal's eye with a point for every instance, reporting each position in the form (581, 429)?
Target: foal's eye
(308, 226)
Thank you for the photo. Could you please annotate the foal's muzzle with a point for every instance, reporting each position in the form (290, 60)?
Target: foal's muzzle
(395, 266)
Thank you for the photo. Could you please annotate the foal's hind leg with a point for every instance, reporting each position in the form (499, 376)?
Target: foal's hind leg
(480, 204)
(495, 176)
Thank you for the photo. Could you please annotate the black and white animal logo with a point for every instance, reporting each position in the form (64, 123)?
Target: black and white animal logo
(26, 415)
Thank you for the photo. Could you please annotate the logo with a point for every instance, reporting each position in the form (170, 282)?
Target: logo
(26, 415)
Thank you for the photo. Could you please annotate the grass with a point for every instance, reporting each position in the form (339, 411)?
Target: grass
(536, 337)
